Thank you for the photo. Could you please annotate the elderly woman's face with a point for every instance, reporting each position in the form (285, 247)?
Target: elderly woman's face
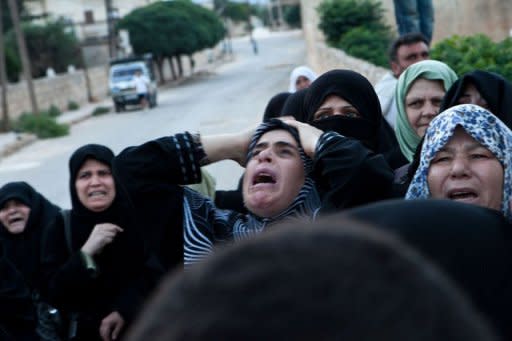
(14, 216)
(471, 95)
(274, 175)
(466, 171)
(95, 185)
(422, 103)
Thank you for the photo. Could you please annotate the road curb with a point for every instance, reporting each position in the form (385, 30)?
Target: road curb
(21, 141)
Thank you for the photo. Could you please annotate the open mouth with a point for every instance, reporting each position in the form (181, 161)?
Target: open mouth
(264, 178)
(97, 194)
(462, 195)
(15, 220)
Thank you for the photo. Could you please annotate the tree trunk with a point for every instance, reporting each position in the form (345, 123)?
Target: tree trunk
(160, 68)
(25, 61)
(192, 63)
(180, 65)
(173, 69)
(3, 79)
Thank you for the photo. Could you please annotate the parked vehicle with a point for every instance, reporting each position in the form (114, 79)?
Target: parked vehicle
(121, 84)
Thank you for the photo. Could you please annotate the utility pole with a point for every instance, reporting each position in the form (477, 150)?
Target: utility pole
(111, 30)
(280, 13)
(3, 78)
(25, 61)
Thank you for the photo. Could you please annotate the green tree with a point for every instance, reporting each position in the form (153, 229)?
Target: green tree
(235, 11)
(171, 30)
(337, 17)
(6, 17)
(292, 16)
(357, 27)
(51, 45)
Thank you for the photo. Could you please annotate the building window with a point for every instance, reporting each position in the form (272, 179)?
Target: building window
(89, 16)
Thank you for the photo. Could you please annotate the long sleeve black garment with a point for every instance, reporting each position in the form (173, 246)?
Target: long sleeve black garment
(72, 287)
(348, 174)
(17, 312)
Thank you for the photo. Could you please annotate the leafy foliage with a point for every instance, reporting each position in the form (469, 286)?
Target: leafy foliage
(292, 16)
(172, 28)
(72, 105)
(43, 125)
(464, 54)
(50, 45)
(100, 111)
(13, 64)
(366, 44)
(340, 16)
(6, 15)
(53, 111)
(357, 27)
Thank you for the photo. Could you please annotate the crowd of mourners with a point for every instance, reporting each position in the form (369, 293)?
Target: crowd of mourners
(364, 213)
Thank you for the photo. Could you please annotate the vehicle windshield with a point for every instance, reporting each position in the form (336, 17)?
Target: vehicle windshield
(125, 74)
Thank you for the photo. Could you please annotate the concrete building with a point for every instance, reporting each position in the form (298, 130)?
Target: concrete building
(88, 18)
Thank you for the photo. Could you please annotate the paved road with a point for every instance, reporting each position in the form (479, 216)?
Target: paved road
(230, 99)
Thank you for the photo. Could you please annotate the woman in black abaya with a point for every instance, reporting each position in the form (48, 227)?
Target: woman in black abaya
(345, 102)
(24, 214)
(96, 278)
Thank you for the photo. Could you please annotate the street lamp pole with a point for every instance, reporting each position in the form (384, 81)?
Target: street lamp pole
(110, 27)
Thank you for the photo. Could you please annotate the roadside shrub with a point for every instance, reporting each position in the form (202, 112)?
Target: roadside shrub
(100, 111)
(72, 105)
(366, 44)
(464, 54)
(357, 27)
(292, 16)
(42, 125)
(53, 111)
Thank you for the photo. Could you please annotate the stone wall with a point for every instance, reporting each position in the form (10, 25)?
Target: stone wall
(466, 17)
(63, 88)
(462, 17)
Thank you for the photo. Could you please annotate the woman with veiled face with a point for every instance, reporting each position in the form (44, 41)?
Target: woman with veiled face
(92, 258)
(486, 89)
(419, 93)
(466, 158)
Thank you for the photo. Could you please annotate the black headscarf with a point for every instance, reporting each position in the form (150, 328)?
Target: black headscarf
(120, 260)
(358, 91)
(495, 89)
(471, 244)
(294, 106)
(23, 249)
(275, 106)
(83, 220)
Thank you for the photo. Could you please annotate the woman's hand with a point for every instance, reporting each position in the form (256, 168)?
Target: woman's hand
(101, 235)
(309, 135)
(111, 326)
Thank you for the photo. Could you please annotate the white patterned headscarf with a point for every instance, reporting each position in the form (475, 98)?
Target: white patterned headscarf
(481, 125)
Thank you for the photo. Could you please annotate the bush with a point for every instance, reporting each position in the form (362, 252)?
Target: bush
(363, 43)
(42, 125)
(100, 111)
(465, 54)
(357, 27)
(53, 111)
(292, 16)
(72, 105)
